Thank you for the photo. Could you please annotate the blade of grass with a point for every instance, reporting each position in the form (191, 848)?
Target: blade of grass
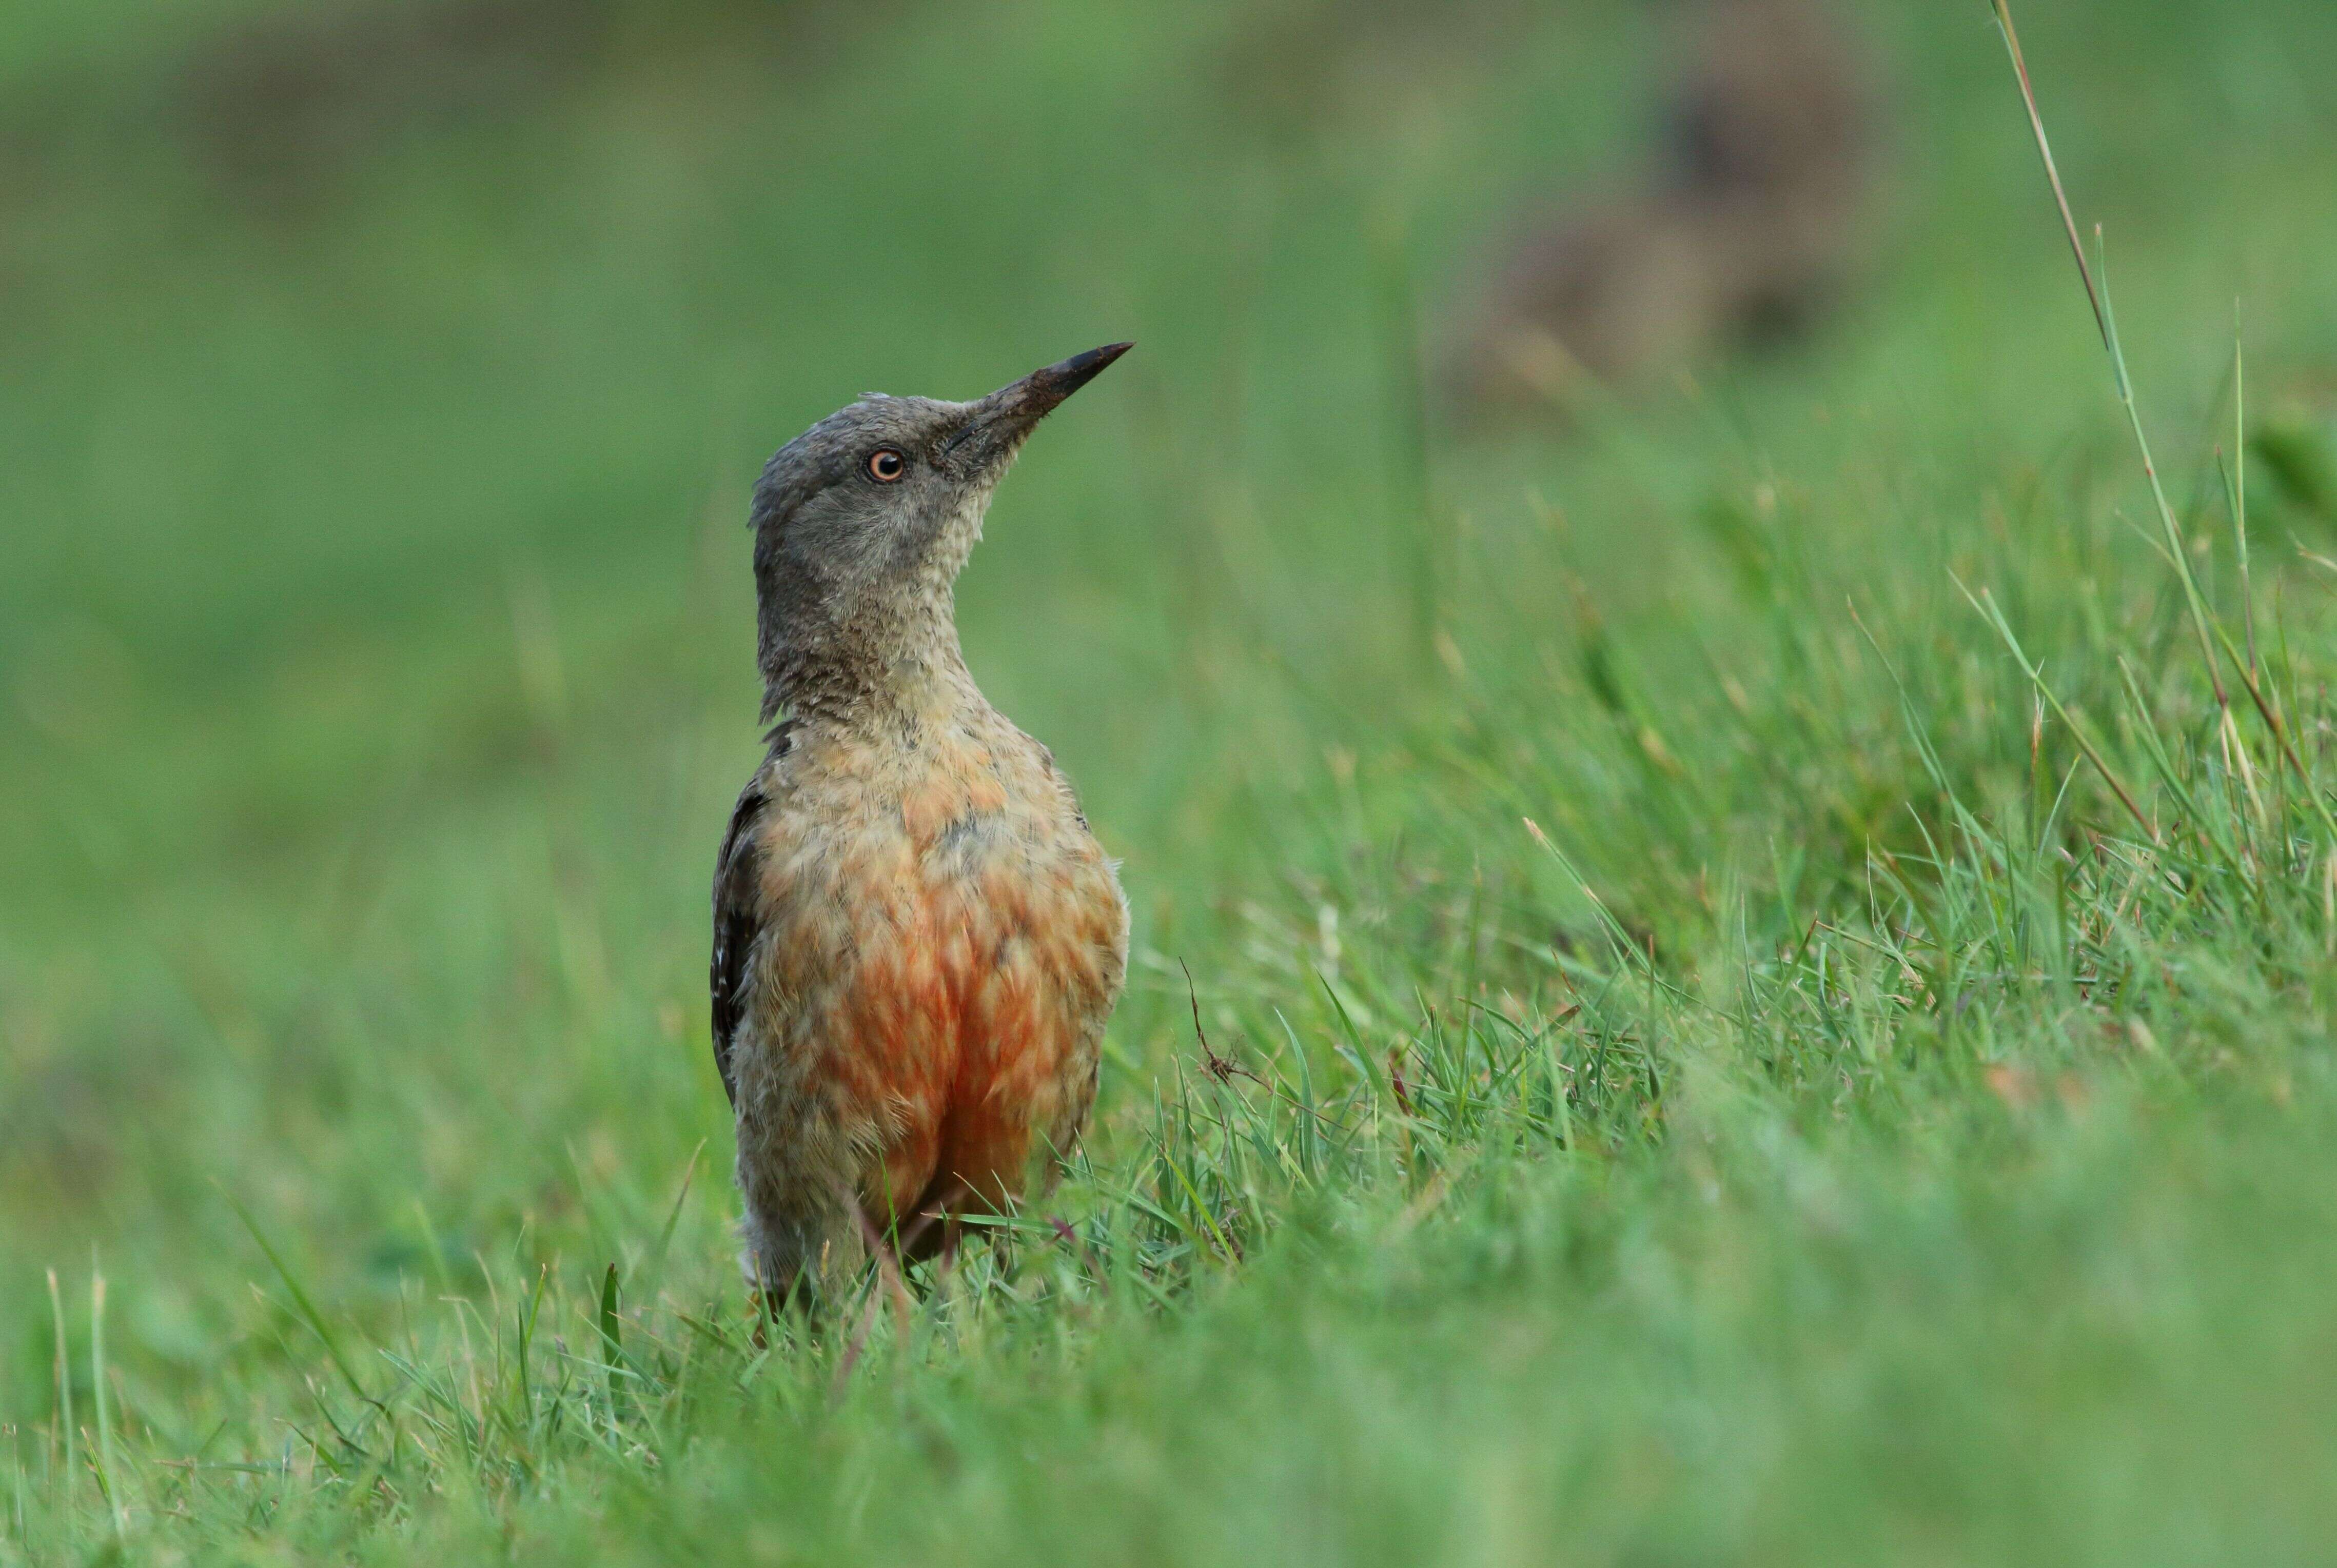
(2236, 484)
(108, 1477)
(2155, 748)
(64, 1381)
(651, 1280)
(301, 1304)
(612, 1345)
(2106, 319)
(2105, 322)
(2045, 149)
(1986, 604)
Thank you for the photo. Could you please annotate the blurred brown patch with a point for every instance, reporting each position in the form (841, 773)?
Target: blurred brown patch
(1295, 63)
(64, 1111)
(2016, 1086)
(2294, 444)
(1744, 224)
(279, 107)
(276, 103)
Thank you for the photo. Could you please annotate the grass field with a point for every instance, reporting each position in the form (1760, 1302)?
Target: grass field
(1705, 1059)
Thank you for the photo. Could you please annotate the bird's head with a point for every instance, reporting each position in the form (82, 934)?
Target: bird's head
(862, 522)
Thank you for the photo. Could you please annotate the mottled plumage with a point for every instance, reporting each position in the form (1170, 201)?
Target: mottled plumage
(917, 941)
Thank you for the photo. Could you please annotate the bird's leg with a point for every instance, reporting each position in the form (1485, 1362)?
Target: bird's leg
(889, 1261)
(945, 1257)
(937, 1230)
(763, 1303)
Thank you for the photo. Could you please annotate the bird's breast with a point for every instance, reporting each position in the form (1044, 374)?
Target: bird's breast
(946, 939)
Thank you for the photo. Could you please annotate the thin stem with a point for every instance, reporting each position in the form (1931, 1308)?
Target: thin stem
(2052, 173)
(2105, 322)
(1985, 602)
(109, 1479)
(2239, 486)
(2106, 319)
(65, 1378)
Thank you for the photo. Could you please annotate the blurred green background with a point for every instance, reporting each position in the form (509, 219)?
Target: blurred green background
(381, 386)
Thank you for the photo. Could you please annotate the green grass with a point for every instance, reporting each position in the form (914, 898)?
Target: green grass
(1700, 1064)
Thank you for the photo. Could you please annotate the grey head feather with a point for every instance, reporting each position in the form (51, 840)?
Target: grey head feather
(853, 573)
(855, 565)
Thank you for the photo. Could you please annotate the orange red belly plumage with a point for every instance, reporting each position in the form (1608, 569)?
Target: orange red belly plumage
(937, 980)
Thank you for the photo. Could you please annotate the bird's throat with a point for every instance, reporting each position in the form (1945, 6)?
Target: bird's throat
(903, 673)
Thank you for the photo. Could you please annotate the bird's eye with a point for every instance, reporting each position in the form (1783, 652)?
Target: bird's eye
(887, 465)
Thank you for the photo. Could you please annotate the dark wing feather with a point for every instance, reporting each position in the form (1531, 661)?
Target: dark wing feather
(737, 916)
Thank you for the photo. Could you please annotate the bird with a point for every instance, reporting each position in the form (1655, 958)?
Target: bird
(1746, 224)
(917, 938)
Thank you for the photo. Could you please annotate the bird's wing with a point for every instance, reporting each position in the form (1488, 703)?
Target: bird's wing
(737, 916)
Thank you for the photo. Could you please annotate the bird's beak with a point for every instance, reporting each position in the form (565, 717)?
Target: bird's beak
(998, 423)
